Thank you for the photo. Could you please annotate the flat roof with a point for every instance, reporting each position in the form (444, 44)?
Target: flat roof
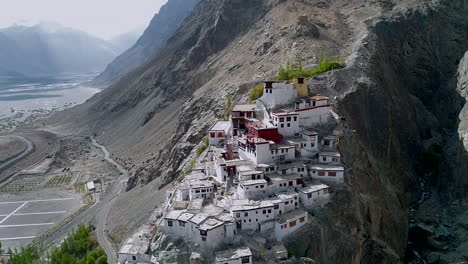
(250, 172)
(185, 217)
(201, 184)
(286, 196)
(233, 254)
(309, 133)
(313, 188)
(318, 98)
(198, 218)
(196, 204)
(333, 154)
(293, 164)
(174, 214)
(279, 177)
(221, 126)
(244, 108)
(253, 182)
(284, 113)
(138, 243)
(327, 167)
(290, 215)
(210, 223)
(245, 205)
(90, 185)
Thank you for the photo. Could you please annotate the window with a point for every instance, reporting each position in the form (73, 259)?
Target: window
(269, 211)
(212, 134)
(335, 159)
(237, 215)
(256, 187)
(289, 124)
(203, 238)
(181, 223)
(300, 80)
(203, 190)
(261, 186)
(276, 206)
(312, 145)
(197, 191)
(220, 134)
(246, 260)
(246, 214)
(288, 119)
(309, 195)
(321, 173)
(264, 211)
(295, 118)
(287, 202)
(290, 183)
(169, 223)
(293, 223)
(332, 173)
(250, 220)
(282, 125)
(203, 232)
(281, 119)
(134, 257)
(302, 219)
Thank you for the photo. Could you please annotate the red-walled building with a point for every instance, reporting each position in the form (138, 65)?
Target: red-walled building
(257, 129)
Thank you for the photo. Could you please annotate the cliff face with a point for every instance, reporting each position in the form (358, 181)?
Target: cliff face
(398, 94)
(162, 26)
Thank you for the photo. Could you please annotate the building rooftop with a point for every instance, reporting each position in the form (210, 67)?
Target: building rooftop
(333, 154)
(283, 218)
(138, 243)
(293, 164)
(244, 108)
(287, 196)
(284, 112)
(198, 218)
(253, 182)
(210, 223)
(221, 126)
(201, 184)
(233, 254)
(185, 217)
(280, 177)
(174, 214)
(318, 98)
(196, 204)
(309, 133)
(327, 167)
(313, 188)
(244, 204)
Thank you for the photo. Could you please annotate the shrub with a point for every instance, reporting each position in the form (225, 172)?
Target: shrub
(288, 72)
(227, 106)
(256, 92)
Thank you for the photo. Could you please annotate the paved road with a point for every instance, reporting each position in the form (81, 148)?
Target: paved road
(112, 192)
(13, 160)
(100, 209)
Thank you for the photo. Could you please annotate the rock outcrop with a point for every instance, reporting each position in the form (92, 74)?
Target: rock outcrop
(398, 94)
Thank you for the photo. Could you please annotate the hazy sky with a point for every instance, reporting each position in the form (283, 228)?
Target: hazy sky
(102, 18)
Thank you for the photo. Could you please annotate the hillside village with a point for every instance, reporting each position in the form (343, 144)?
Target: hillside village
(263, 171)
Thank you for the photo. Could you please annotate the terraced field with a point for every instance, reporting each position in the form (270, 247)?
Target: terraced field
(23, 184)
(59, 181)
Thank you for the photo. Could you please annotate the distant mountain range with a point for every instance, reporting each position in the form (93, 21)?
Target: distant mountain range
(160, 29)
(49, 48)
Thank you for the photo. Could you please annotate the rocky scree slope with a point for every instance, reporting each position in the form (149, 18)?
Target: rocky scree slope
(154, 117)
(162, 26)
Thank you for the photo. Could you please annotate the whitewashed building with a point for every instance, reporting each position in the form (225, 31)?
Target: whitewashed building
(327, 173)
(329, 158)
(234, 256)
(238, 114)
(219, 133)
(252, 189)
(284, 183)
(201, 189)
(261, 151)
(135, 249)
(287, 122)
(313, 110)
(290, 222)
(329, 142)
(314, 195)
(295, 167)
(252, 215)
(277, 93)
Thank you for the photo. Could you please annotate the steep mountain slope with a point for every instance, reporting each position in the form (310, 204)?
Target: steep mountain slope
(161, 27)
(46, 49)
(124, 41)
(397, 93)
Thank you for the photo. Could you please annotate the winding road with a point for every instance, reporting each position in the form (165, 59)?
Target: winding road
(106, 203)
(29, 148)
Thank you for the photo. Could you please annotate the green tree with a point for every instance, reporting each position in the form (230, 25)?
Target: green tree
(101, 260)
(90, 260)
(256, 92)
(300, 70)
(227, 106)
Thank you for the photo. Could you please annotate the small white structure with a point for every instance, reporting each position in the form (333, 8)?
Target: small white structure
(329, 142)
(201, 189)
(135, 249)
(219, 133)
(284, 183)
(261, 151)
(313, 110)
(295, 167)
(327, 173)
(234, 256)
(277, 93)
(251, 215)
(252, 189)
(90, 186)
(329, 157)
(287, 122)
(288, 223)
(314, 195)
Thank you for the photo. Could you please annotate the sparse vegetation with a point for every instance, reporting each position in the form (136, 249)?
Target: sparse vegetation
(227, 106)
(256, 93)
(203, 147)
(78, 248)
(59, 180)
(287, 71)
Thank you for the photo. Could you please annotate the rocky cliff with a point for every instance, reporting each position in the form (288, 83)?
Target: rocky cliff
(398, 94)
(162, 26)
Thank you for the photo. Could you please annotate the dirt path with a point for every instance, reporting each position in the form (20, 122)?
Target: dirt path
(112, 192)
